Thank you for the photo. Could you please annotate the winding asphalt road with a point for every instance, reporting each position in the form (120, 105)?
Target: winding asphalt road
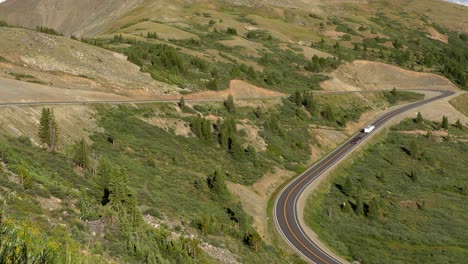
(285, 208)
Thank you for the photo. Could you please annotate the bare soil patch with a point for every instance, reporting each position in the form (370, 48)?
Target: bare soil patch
(436, 35)
(437, 133)
(254, 199)
(75, 122)
(308, 52)
(238, 89)
(367, 75)
(164, 31)
(436, 110)
(250, 48)
(173, 125)
(66, 63)
(252, 136)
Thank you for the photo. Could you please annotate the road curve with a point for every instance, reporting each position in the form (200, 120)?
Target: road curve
(285, 207)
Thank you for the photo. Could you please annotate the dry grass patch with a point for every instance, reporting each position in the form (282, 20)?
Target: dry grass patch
(367, 75)
(461, 103)
(162, 30)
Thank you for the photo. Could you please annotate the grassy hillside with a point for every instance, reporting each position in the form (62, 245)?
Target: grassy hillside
(461, 103)
(402, 200)
(149, 185)
(273, 46)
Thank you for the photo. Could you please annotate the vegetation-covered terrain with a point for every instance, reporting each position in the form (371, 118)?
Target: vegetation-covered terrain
(146, 184)
(402, 200)
(115, 195)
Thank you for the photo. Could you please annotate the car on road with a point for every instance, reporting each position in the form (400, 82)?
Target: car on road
(369, 129)
(356, 140)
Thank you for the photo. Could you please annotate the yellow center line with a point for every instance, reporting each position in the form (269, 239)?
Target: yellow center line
(289, 194)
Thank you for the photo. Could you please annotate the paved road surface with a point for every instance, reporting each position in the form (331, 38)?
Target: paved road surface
(285, 209)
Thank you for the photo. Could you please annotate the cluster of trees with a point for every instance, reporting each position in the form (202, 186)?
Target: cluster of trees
(371, 209)
(124, 222)
(231, 31)
(152, 35)
(242, 71)
(202, 128)
(305, 99)
(317, 64)
(48, 30)
(228, 138)
(48, 129)
(259, 34)
(216, 184)
(226, 134)
(156, 55)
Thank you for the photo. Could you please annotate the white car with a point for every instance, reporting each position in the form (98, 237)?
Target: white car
(369, 129)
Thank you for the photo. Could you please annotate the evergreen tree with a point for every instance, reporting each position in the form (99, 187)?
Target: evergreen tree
(216, 183)
(81, 157)
(272, 124)
(328, 113)
(229, 104)
(445, 122)
(236, 149)
(458, 124)
(308, 101)
(419, 118)
(181, 103)
(253, 239)
(394, 92)
(429, 134)
(48, 130)
(374, 209)
(296, 98)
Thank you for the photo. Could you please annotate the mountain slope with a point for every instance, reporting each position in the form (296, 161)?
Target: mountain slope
(67, 16)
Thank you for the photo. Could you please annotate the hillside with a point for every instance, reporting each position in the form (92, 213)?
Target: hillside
(69, 64)
(69, 17)
(249, 102)
(396, 197)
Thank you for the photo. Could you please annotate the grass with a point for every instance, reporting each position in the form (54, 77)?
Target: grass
(414, 206)
(461, 103)
(19, 76)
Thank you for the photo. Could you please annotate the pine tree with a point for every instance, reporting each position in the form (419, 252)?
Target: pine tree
(53, 131)
(445, 122)
(296, 98)
(181, 103)
(216, 183)
(229, 104)
(253, 239)
(48, 130)
(308, 102)
(236, 149)
(81, 157)
(419, 118)
(458, 124)
(44, 126)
